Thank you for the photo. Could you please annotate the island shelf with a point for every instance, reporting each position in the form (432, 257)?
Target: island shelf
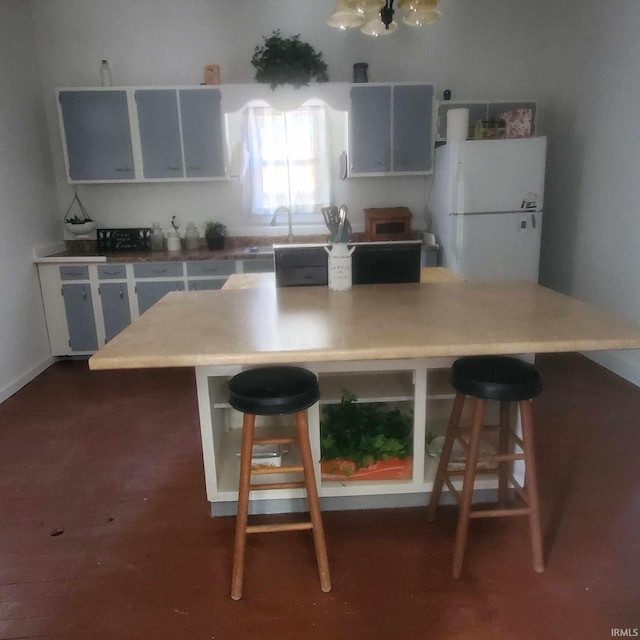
(419, 387)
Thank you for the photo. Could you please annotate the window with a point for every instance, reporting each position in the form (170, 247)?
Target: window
(288, 160)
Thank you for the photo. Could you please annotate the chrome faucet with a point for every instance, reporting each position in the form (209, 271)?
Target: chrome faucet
(275, 217)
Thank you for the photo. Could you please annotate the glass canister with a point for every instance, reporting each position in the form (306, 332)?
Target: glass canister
(157, 237)
(192, 237)
(489, 130)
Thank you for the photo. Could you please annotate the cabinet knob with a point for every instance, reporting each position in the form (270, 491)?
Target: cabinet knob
(173, 168)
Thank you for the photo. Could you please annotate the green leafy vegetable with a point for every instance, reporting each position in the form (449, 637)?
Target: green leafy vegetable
(364, 432)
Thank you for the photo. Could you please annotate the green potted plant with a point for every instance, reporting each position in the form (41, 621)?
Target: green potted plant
(215, 233)
(365, 441)
(288, 61)
(80, 224)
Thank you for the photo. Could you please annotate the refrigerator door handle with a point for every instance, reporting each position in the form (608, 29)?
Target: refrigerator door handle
(491, 213)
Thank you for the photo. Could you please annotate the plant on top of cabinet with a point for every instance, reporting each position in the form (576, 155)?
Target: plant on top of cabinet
(288, 61)
(365, 441)
(215, 233)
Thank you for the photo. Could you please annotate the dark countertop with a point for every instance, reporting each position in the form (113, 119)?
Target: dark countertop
(235, 249)
(161, 256)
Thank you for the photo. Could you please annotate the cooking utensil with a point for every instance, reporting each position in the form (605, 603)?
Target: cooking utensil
(331, 219)
(343, 217)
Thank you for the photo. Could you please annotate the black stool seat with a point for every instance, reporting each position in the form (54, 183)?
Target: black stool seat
(496, 378)
(268, 391)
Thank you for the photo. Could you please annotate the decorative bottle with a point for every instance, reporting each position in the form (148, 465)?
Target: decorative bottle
(106, 79)
(192, 237)
(157, 237)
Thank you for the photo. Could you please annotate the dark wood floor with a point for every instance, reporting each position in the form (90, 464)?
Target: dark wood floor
(105, 532)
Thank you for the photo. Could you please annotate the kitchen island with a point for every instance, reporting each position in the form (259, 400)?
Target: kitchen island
(390, 343)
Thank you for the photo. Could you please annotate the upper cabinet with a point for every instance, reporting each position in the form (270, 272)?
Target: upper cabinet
(202, 136)
(142, 134)
(391, 129)
(97, 131)
(180, 133)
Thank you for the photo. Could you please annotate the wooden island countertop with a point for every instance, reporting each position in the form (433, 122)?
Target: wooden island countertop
(267, 325)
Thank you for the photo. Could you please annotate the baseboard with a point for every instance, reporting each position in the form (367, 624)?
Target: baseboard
(8, 391)
(345, 503)
(626, 364)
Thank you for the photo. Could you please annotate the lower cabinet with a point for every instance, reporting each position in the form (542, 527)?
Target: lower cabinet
(206, 285)
(116, 312)
(80, 317)
(88, 304)
(151, 292)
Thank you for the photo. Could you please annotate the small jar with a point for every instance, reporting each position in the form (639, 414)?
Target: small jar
(157, 237)
(173, 241)
(192, 237)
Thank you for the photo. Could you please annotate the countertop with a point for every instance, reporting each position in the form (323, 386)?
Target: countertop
(267, 325)
(253, 280)
(74, 255)
(86, 251)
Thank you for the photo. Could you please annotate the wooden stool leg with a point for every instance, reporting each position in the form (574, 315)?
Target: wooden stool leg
(503, 446)
(449, 440)
(466, 497)
(319, 542)
(531, 486)
(248, 424)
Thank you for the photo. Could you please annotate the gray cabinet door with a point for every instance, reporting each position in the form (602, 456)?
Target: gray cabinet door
(159, 133)
(80, 319)
(97, 135)
(370, 129)
(206, 285)
(150, 292)
(202, 133)
(115, 308)
(412, 128)
(258, 265)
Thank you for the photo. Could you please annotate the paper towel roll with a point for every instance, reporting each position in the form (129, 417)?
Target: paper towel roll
(457, 125)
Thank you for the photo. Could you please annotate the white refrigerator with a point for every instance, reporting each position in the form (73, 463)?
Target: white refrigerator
(486, 207)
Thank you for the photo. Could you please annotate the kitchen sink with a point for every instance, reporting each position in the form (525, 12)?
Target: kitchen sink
(259, 251)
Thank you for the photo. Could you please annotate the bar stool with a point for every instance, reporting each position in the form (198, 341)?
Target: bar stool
(275, 391)
(507, 380)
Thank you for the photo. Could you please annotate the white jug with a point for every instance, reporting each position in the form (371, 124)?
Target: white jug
(339, 266)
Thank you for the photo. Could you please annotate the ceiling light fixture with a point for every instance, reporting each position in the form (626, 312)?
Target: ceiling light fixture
(375, 17)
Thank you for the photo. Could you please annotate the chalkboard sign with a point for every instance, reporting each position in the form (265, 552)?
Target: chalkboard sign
(124, 239)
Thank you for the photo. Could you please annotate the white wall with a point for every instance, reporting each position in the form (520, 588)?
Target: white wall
(160, 42)
(27, 201)
(592, 227)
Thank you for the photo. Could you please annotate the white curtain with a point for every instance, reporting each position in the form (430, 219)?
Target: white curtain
(287, 160)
